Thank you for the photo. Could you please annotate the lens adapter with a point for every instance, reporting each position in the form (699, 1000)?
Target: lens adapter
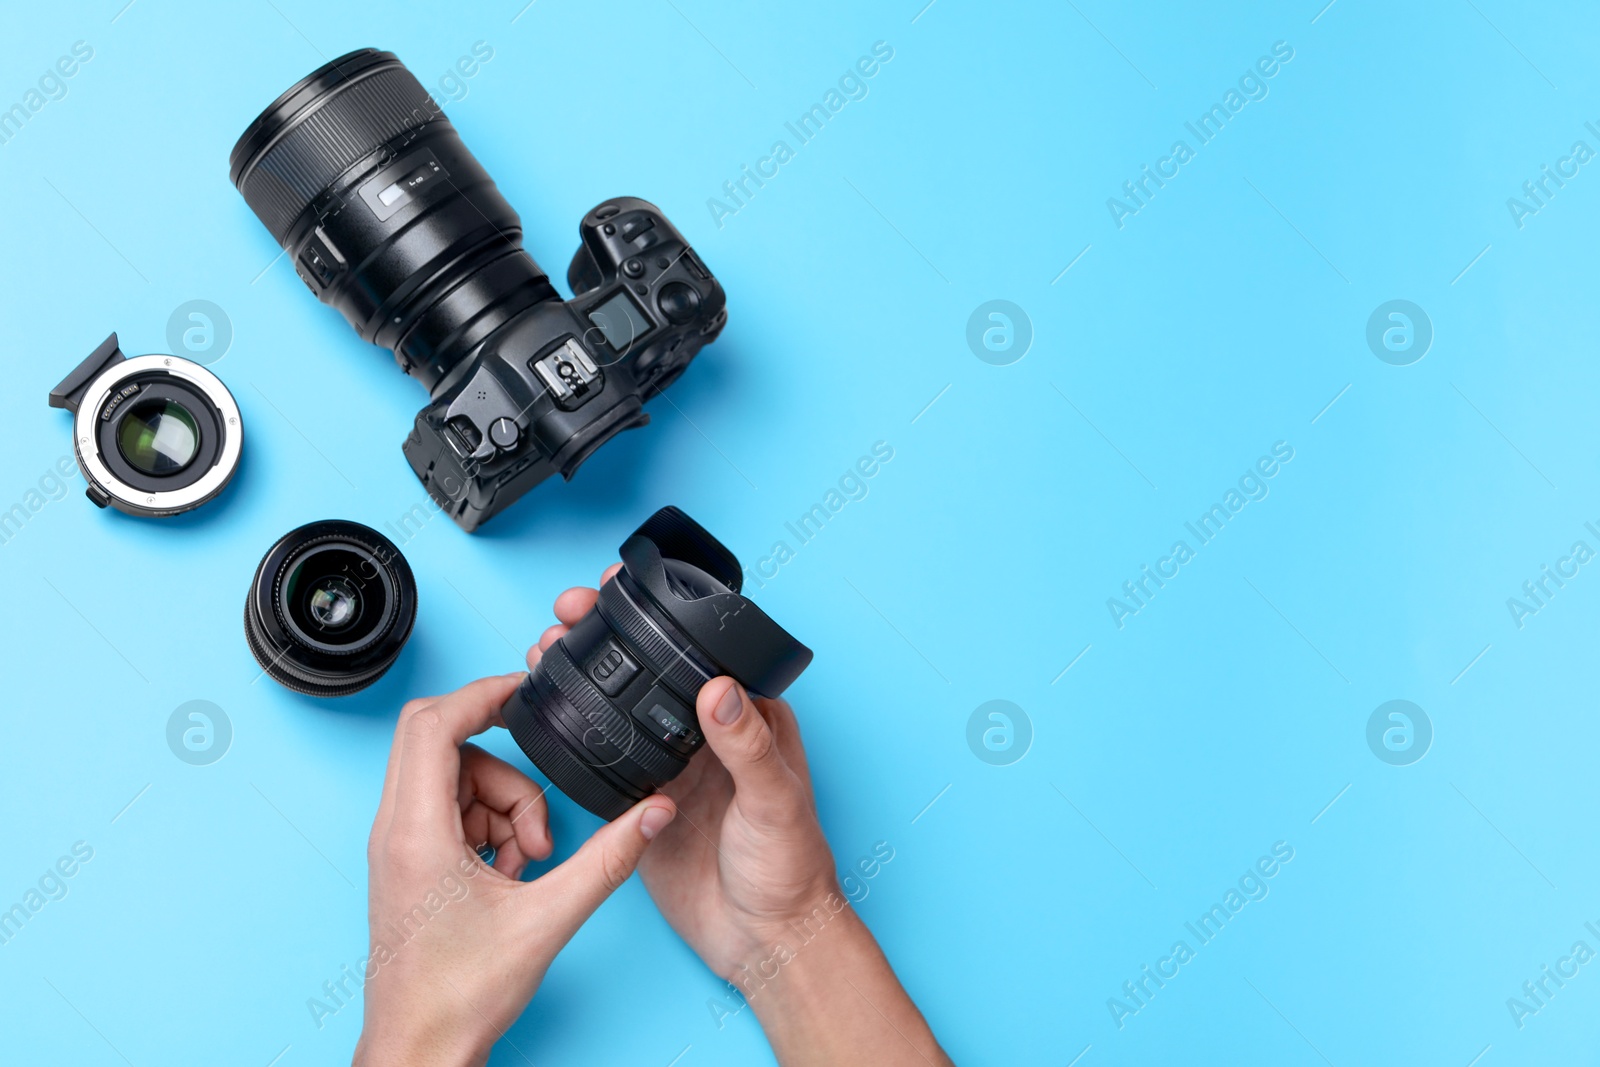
(154, 435)
(330, 608)
(608, 714)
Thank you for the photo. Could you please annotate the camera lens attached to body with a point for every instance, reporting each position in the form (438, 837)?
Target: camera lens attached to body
(608, 714)
(154, 435)
(386, 216)
(330, 608)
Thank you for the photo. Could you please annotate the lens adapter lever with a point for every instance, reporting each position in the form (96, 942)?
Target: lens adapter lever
(69, 394)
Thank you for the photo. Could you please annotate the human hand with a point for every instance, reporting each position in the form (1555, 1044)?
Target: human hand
(458, 947)
(745, 876)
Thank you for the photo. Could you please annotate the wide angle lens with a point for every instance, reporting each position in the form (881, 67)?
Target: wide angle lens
(330, 608)
(608, 714)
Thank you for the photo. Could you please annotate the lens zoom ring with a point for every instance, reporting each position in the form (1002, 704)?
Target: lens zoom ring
(620, 729)
(566, 772)
(625, 618)
(345, 126)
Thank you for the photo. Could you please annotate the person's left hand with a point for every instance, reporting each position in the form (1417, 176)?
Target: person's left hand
(459, 947)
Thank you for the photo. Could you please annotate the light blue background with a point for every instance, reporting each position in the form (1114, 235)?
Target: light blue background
(1222, 318)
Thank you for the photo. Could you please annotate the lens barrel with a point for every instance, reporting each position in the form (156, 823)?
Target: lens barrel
(330, 608)
(358, 174)
(608, 714)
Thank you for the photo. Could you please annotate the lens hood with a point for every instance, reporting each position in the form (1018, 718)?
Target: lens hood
(738, 637)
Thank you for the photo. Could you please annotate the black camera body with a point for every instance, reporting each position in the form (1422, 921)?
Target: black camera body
(553, 384)
(388, 217)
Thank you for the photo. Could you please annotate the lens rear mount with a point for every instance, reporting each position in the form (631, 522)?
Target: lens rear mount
(330, 608)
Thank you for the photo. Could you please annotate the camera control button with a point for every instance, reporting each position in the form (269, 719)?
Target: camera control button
(633, 267)
(678, 302)
(503, 434)
(612, 669)
(638, 229)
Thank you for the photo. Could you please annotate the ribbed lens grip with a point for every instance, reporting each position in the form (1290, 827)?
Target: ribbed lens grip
(548, 752)
(667, 660)
(621, 731)
(341, 126)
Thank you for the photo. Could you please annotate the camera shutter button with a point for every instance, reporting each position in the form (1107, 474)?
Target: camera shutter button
(678, 302)
(503, 434)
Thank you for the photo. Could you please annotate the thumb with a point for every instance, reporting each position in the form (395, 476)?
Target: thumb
(580, 885)
(744, 741)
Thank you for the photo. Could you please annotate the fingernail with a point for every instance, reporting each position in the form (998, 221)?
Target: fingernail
(728, 708)
(654, 820)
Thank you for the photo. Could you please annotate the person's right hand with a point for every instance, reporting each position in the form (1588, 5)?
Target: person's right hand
(747, 857)
(745, 876)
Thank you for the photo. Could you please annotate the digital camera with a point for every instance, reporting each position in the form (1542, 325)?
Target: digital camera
(386, 216)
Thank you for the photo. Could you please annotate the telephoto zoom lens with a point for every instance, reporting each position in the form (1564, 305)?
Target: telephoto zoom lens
(609, 712)
(388, 217)
(330, 608)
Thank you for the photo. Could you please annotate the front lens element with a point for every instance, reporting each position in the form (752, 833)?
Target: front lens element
(334, 594)
(334, 603)
(158, 436)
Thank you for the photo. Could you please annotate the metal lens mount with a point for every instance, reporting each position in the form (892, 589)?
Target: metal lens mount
(107, 389)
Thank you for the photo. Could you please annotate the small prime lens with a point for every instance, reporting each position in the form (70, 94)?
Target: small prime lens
(330, 608)
(608, 714)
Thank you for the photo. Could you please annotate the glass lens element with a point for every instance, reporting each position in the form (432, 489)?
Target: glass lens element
(158, 436)
(334, 602)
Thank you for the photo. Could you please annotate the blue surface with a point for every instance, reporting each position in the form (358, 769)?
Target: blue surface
(1226, 315)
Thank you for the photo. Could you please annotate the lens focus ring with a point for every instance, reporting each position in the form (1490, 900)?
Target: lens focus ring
(622, 732)
(342, 125)
(627, 619)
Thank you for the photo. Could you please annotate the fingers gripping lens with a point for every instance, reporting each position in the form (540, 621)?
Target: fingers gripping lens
(330, 608)
(608, 713)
